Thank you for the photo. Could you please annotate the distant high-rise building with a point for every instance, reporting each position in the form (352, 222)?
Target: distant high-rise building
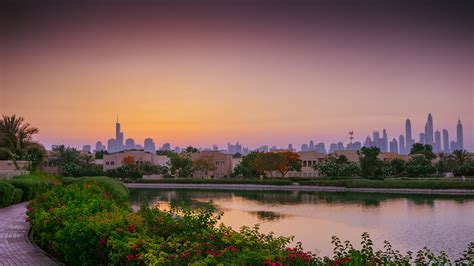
(394, 145)
(233, 149)
(305, 147)
(459, 136)
(149, 145)
(384, 141)
(111, 146)
(215, 147)
(166, 147)
(263, 148)
(401, 145)
(129, 144)
(177, 149)
(340, 146)
(320, 148)
(99, 146)
(446, 141)
(86, 148)
(368, 142)
(290, 147)
(437, 141)
(408, 137)
(311, 145)
(355, 146)
(245, 151)
(118, 137)
(453, 145)
(376, 139)
(332, 147)
(429, 131)
(422, 138)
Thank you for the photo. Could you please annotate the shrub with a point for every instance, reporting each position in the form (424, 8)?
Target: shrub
(115, 189)
(6, 194)
(281, 182)
(31, 185)
(17, 195)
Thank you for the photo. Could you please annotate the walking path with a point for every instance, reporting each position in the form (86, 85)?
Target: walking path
(15, 246)
(301, 188)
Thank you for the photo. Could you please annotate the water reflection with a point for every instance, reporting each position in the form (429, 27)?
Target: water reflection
(410, 222)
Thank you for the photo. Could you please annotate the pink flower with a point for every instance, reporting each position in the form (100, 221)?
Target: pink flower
(135, 246)
(129, 257)
(231, 248)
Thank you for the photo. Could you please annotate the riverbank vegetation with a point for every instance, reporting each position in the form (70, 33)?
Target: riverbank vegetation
(89, 221)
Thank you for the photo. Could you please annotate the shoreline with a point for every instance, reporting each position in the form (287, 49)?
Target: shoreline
(300, 188)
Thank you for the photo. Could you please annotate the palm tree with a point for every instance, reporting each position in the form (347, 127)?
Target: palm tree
(63, 155)
(16, 141)
(460, 156)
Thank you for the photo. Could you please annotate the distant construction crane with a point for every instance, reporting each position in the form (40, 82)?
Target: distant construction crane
(351, 135)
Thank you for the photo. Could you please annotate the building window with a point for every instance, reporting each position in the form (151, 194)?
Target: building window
(305, 163)
(107, 163)
(112, 163)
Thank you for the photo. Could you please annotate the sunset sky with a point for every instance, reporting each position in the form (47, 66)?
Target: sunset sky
(259, 72)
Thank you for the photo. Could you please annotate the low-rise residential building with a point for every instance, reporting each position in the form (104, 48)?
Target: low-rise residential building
(114, 160)
(8, 168)
(222, 161)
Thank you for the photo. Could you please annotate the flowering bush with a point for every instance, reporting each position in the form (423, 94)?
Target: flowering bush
(85, 223)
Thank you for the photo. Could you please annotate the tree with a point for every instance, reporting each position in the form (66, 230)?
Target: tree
(266, 162)
(426, 150)
(62, 155)
(181, 165)
(246, 167)
(190, 149)
(460, 157)
(100, 154)
(419, 165)
(16, 141)
(129, 160)
(288, 161)
(337, 166)
(204, 164)
(370, 164)
(397, 166)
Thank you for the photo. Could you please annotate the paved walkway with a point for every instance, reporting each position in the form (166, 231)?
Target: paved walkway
(15, 246)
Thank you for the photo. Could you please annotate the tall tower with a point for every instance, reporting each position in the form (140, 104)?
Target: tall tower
(118, 136)
(401, 145)
(446, 140)
(459, 136)
(429, 130)
(408, 138)
(384, 145)
(437, 142)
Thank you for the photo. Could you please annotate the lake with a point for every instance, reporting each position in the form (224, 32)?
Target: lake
(409, 222)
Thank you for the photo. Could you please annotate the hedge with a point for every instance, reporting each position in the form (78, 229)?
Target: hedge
(17, 195)
(117, 190)
(6, 194)
(280, 182)
(31, 185)
(400, 183)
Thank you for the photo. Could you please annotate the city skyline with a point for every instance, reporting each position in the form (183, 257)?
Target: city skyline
(401, 145)
(207, 74)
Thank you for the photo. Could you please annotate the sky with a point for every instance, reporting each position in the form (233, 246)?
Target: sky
(260, 72)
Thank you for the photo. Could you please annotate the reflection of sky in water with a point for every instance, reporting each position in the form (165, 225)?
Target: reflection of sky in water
(409, 223)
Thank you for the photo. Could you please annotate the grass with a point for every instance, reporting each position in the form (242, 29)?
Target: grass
(279, 182)
(413, 183)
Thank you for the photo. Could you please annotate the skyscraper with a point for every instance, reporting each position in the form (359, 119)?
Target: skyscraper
(394, 145)
(446, 140)
(401, 145)
(111, 146)
(149, 145)
(437, 141)
(368, 142)
(422, 138)
(166, 147)
(429, 130)
(320, 147)
(304, 147)
(99, 146)
(311, 145)
(118, 137)
(408, 138)
(130, 144)
(384, 141)
(459, 136)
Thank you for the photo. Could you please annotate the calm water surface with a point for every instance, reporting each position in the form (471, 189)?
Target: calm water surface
(409, 222)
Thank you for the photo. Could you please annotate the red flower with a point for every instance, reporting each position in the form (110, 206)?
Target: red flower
(131, 228)
(129, 257)
(137, 255)
(231, 248)
(135, 246)
(102, 241)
